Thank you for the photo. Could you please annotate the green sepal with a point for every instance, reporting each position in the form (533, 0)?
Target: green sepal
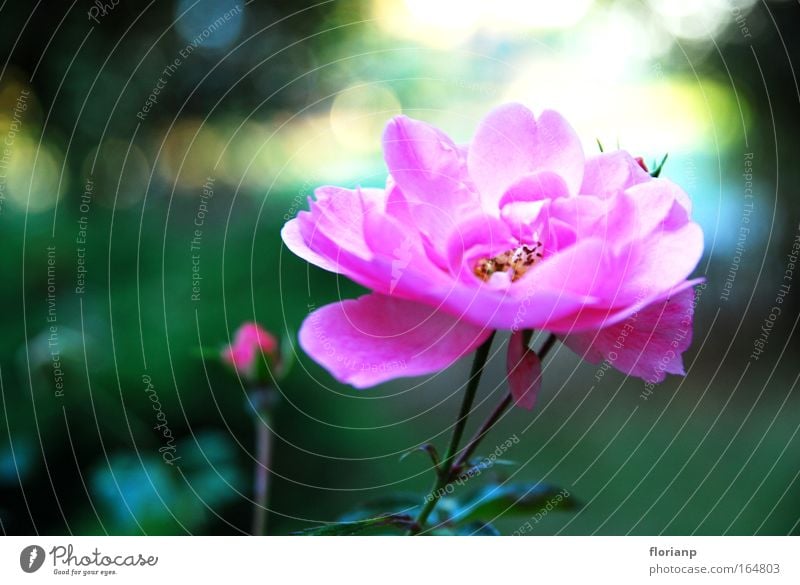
(659, 167)
(425, 448)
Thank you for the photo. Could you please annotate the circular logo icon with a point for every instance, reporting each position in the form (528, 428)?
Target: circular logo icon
(31, 558)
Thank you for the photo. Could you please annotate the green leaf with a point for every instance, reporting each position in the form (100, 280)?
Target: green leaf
(517, 499)
(399, 503)
(477, 466)
(350, 528)
(481, 465)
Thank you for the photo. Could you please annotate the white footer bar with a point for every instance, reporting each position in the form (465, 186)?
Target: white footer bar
(390, 560)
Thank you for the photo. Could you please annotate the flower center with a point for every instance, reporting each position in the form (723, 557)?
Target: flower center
(516, 261)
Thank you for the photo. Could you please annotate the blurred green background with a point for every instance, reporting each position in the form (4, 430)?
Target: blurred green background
(284, 96)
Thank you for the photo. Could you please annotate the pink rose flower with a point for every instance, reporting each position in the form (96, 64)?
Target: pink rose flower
(517, 230)
(249, 343)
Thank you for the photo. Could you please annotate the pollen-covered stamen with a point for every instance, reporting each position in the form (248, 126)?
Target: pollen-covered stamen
(516, 261)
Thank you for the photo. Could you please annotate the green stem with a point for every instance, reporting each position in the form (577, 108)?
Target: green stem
(496, 414)
(264, 402)
(481, 355)
(485, 427)
(443, 473)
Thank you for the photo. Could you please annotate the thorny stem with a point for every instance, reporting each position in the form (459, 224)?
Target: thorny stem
(443, 473)
(496, 414)
(448, 471)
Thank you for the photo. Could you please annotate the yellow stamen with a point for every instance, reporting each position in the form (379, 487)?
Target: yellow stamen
(517, 261)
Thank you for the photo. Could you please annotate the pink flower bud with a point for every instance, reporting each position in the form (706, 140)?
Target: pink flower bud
(249, 341)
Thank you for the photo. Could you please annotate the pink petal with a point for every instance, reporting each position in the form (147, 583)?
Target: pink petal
(511, 142)
(657, 262)
(252, 334)
(581, 269)
(610, 173)
(401, 248)
(665, 199)
(535, 187)
(479, 236)
(524, 372)
(396, 203)
(430, 172)
(337, 216)
(648, 243)
(582, 214)
(331, 233)
(593, 316)
(525, 204)
(375, 338)
(293, 238)
(349, 232)
(241, 358)
(648, 344)
(642, 212)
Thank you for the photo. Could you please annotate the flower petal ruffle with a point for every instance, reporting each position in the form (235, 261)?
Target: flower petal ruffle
(375, 338)
(510, 142)
(648, 344)
(430, 172)
(609, 173)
